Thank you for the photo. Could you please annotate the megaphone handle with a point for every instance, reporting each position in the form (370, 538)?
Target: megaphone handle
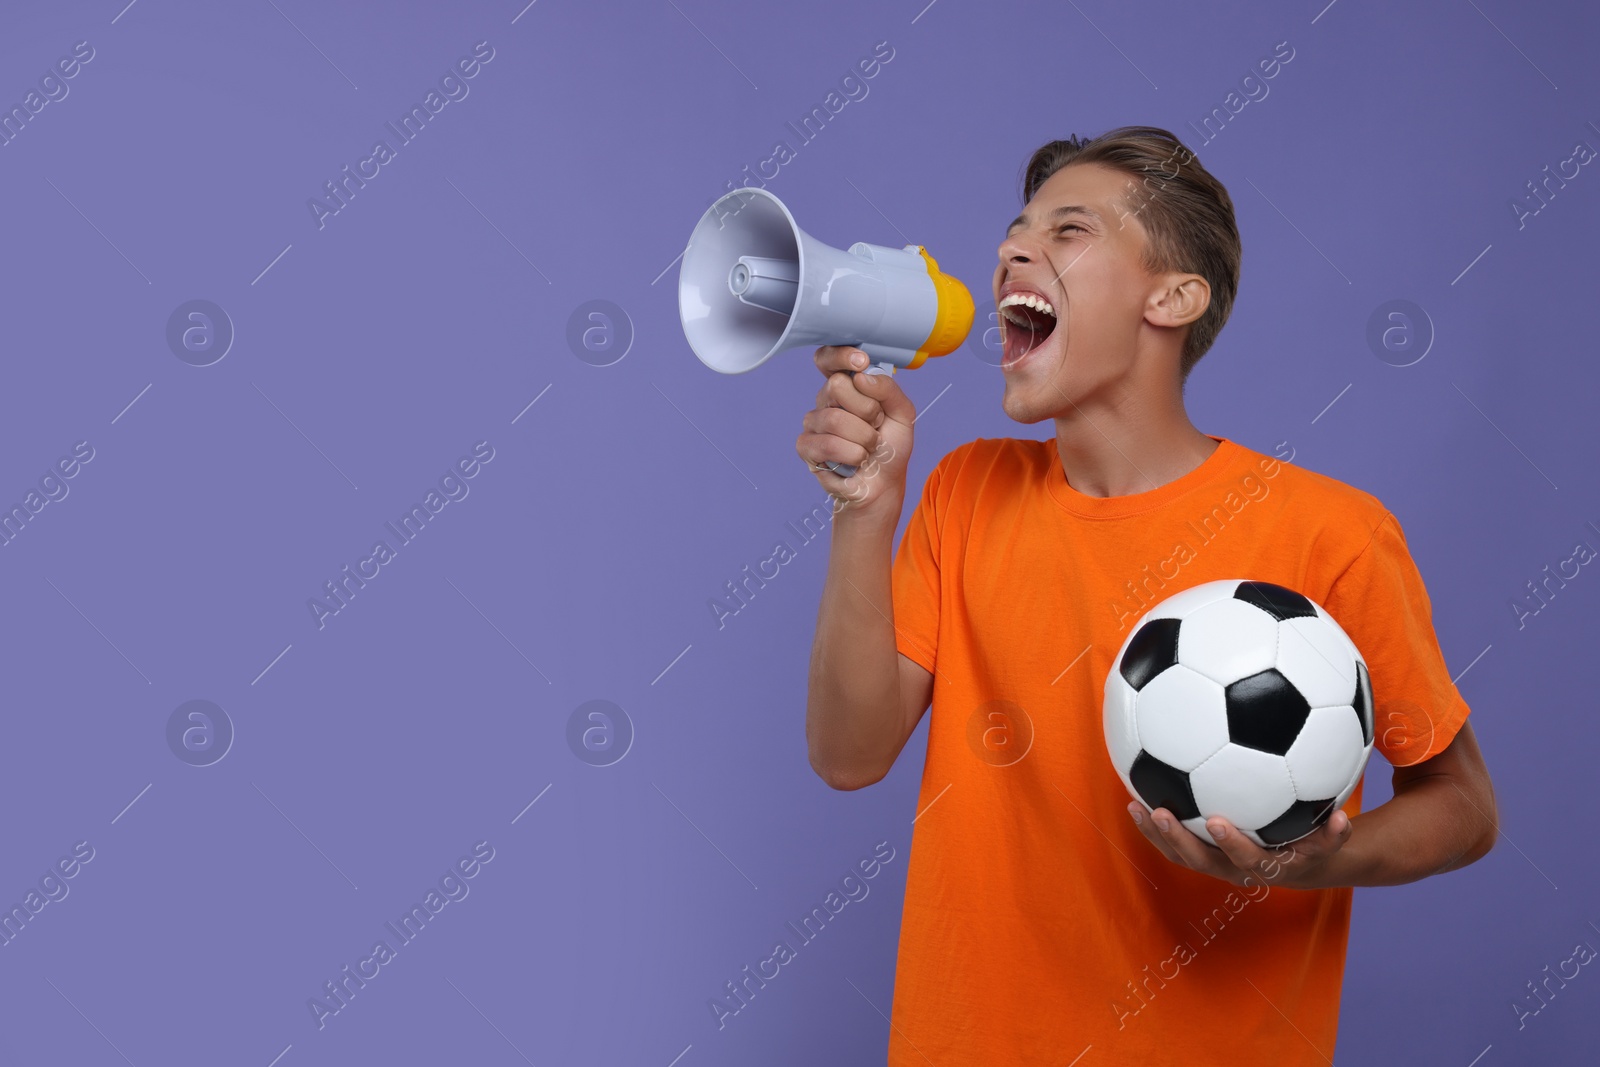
(845, 470)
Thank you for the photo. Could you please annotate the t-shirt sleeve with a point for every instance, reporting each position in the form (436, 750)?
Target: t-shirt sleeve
(914, 580)
(1381, 603)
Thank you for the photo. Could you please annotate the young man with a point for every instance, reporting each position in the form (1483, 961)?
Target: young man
(1046, 917)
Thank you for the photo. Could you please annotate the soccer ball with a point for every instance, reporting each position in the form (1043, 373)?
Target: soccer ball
(1241, 699)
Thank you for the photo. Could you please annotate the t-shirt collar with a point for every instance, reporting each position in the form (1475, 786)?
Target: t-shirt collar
(1118, 507)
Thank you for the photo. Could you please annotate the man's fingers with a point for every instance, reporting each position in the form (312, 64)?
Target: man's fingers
(1237, 858)
(1240, 850)
(888, 400)
(1152, 832)
(1342, 831)
(818, 449)
(1192, 851)
(840, 391)
(1181, 845)
(1330, 836)
(839, 423)
(884, 389)
(1270, 863)
(831, 358)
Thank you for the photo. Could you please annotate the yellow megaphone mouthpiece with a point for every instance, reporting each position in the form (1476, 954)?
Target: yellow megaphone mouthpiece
(953, 320)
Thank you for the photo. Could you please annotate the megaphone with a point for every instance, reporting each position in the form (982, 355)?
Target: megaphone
(754, 284)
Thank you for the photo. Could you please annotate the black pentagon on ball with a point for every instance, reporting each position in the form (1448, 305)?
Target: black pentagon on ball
(1161, 785)
(1153, 649)
(1302, 817)
(1362, 702)
(1265, 711)
(1275, 600)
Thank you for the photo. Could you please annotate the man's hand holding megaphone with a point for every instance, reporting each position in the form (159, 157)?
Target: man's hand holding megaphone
(864, 420)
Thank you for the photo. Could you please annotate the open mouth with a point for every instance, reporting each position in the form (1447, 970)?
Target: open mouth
(1026, 323)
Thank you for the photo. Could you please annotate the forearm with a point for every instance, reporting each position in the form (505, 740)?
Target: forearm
(1431, 825)
(854, 718)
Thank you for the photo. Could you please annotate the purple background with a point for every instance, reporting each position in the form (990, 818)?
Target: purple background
(430, 311)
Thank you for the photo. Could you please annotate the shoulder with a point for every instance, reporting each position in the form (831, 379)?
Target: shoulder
(977, 469)
(987, 456)
(1349, 514)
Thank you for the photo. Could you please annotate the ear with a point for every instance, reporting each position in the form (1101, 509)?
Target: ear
(1178, 299)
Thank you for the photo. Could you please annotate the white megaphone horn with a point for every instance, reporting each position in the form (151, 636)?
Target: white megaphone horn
(753, 284)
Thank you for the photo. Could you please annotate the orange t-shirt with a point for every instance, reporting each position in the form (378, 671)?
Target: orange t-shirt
(1038, 922)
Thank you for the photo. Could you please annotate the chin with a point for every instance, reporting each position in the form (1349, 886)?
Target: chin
(1019, 410)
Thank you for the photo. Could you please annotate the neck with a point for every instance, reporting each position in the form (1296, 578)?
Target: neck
(1131, 448)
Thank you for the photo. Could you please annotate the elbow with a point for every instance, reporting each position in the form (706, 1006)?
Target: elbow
(1479, 850)
(845, 779)
(1491, 832)
(1488, 817)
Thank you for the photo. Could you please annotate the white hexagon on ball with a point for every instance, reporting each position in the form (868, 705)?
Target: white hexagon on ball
(1318, 659)
(1228, 640)
(1246, 786)
(1355, 780)
(1327, 752)
(1182, 717)
(1180, 605)
(1122, 734)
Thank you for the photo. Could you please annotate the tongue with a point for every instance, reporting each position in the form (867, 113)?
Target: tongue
(1020, 339)
(1033, 335)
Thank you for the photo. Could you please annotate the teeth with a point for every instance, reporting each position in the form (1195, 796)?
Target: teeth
(1037, 303)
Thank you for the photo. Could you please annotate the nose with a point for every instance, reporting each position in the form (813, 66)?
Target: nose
(1017, 248)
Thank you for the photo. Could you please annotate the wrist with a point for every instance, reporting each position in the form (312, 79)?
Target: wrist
(879, 514)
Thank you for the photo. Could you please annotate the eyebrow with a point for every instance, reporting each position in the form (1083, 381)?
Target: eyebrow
(1060, 212)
